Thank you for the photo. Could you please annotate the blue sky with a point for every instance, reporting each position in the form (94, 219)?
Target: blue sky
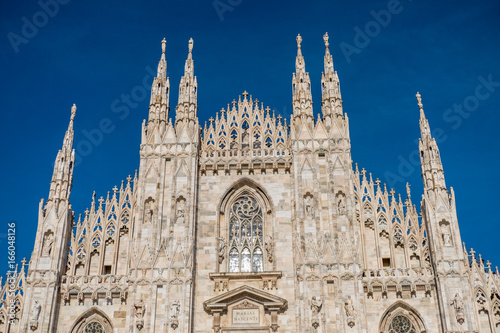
(93, 52)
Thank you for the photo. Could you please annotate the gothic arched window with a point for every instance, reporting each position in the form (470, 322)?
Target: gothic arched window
(94, 327)
(245, 235)
(401, 324)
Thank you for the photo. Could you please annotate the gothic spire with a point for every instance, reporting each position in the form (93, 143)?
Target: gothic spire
(331, 100)
(160, 91)
(328, 57)
(162, 64)
(187, 107)
(62, 177)
(432, 168)
(301, 86)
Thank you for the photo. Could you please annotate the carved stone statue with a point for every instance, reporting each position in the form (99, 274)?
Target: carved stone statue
(175, 310)
(48, 240)
(350, 312)
(308, 203)
(149, 211)
(222, 249)
(458, 304)
(181, 211)
(349, 308)
(445, 229)
(140, 309)
(341, 206)
(316, 305)
(35, 311)
(270, 248)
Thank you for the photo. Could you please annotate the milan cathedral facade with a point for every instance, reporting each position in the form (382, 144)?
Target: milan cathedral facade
(251, 224)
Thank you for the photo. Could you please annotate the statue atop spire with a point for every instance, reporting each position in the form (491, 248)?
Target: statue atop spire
(73, 112)
(327, 44)
(419, 100)
(159, 102)
(301, 85)
(331, 100)
(187, 106)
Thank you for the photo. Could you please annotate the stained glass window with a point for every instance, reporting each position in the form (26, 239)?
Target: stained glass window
(94, 327)
(401, 324)
(245, 235)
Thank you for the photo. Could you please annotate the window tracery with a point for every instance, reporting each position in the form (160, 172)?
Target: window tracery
(94, 327)
(246, 235)
(401, 324)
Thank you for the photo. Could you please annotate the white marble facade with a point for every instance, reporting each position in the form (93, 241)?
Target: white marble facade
(252, 223)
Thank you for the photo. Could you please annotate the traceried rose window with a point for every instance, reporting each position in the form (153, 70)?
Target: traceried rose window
(245, 236)
(401, 324)
(94, 327)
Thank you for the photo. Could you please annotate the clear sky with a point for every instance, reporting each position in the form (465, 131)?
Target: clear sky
(92, 53)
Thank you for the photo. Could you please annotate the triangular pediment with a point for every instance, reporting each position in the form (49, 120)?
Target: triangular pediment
(269, 301)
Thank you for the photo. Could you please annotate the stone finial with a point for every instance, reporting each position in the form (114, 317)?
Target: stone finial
(163, 44)
(408, 191)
